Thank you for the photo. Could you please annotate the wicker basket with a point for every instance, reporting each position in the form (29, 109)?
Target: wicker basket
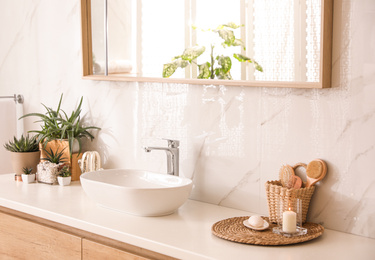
(275, 191)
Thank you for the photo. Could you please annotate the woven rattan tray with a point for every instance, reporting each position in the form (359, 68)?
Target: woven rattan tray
(233, 229)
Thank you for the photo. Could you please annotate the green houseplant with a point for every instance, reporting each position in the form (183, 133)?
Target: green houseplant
(218, 66)
(27, 175)
(58, 125)
(64, 177)
(50, 166)
(24, 154)
(23, 144)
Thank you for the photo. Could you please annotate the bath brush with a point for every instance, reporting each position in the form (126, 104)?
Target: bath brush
(285, 174)
(315, 171)
(295, 182)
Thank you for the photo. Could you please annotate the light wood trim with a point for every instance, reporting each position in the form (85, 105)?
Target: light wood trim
(273, 84)
(86, 235)
(325, 64)
(22, 239)
(86, 37)
(326, 47)
(95, 251)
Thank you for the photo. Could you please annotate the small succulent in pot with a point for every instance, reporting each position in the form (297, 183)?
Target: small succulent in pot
(27, 171)
(64, 177)
(24, 152)
(65, 172)
(50, 167)
(27, 175)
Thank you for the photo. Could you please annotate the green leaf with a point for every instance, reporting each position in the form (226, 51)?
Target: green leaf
(225, 62)
(170, 68)
(57, 125)
(223, 72)
(243, 58)
(23, 144)
(229, 38)
(239, 42)
(204, 71)
(233, 25)
(192, 53)
(220, 74)
(176, 57)
(55, 157)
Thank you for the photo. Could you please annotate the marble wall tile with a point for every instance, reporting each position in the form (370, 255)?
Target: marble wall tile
(233, 139)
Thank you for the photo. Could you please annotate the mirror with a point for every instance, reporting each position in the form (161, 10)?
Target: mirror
(241, 43)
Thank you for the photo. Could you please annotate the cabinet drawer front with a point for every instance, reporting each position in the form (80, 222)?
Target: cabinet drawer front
(95, 251)
(23, 239)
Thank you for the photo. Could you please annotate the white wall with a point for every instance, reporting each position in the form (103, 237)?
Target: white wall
(233, 139)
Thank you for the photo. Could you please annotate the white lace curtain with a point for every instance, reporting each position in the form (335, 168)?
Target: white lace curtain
(286, 39)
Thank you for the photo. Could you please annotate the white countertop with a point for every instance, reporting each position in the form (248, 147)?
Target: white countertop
(186, 234)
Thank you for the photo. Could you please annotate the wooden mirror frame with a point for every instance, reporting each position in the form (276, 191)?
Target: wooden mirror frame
(325, 58)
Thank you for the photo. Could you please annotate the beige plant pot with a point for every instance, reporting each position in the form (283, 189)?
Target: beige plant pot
(21, 160)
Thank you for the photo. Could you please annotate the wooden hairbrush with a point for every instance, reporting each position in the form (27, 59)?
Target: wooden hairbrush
(285, 174)
(315, 171)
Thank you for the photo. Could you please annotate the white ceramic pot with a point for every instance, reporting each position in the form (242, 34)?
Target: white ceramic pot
(28, 178)
(64, 181)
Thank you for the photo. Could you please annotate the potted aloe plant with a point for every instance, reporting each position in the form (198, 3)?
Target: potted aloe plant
(27, 175)
(59, 130)
(50, 166)
(24, 154)
(65, 176)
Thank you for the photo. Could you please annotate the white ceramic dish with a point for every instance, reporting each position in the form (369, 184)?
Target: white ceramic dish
(265, 225)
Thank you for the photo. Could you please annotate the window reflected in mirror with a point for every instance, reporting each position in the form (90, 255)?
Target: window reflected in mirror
(238, 40)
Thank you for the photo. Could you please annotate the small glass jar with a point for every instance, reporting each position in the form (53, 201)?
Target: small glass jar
(289, 217)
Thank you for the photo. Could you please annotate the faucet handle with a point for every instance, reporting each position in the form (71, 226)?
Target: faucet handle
(172, 143)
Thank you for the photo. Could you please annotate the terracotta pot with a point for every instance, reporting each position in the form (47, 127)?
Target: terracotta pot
(21, 160)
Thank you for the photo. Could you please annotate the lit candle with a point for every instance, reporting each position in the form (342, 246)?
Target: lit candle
(289, 221)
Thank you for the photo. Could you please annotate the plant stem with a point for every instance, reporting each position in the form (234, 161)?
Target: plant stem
(212, 62)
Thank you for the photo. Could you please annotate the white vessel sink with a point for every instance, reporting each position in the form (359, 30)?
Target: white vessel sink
(137, 192)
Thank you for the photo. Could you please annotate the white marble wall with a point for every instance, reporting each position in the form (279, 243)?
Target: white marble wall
(233, 139)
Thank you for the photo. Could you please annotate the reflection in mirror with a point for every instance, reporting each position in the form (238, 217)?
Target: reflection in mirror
(282, 38)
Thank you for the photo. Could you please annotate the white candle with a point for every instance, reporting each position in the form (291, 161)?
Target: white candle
(289, 221)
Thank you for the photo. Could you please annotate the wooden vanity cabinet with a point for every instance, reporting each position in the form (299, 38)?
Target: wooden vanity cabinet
(24, 236)
(95, 251)
(22, 239)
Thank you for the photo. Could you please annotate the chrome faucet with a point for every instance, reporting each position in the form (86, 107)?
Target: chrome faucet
(173, 159)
